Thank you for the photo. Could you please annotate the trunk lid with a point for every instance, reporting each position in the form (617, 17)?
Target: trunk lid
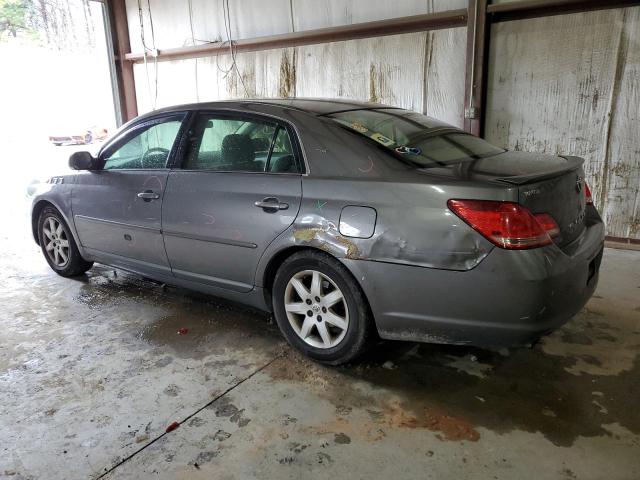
(559, 194)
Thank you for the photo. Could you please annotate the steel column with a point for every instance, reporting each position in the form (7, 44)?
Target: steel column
(123, 69)
(476, 67)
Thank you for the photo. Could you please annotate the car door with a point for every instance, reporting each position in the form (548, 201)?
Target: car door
(238, 187)
(117, 208)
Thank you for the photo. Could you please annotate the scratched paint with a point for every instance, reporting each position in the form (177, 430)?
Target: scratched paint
(328, 239)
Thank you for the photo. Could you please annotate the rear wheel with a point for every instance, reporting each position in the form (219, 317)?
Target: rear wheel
(320, 308)
(58, 246)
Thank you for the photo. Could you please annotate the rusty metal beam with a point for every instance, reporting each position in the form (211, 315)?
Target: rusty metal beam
(394, 26)
(519, 10)
(123, 69)
(476, 67)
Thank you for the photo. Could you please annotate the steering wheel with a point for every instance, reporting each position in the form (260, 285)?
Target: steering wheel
(153, 151)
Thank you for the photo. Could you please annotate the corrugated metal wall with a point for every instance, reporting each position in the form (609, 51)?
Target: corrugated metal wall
(567, 84)
(420, 71)
(571, 84)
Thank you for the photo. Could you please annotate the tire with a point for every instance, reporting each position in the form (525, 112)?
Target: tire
(342, 344)
(62, 240)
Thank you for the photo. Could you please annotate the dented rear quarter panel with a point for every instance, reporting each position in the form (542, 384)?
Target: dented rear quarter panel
(413, 225)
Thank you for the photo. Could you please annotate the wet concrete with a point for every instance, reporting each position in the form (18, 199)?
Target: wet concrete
(94, 370)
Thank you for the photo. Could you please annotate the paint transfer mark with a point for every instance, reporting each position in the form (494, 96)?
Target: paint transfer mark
(210, 219)
(153, 179)
(369, 168)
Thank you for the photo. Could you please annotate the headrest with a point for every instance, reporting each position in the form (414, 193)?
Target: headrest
(237, 149)
(261, 144)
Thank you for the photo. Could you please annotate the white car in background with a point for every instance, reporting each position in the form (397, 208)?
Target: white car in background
(80, 136)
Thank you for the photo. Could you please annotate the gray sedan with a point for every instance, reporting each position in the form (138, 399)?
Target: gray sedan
(348, 220)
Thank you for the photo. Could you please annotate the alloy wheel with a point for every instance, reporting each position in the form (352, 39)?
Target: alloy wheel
(316, 309)
(56, 242)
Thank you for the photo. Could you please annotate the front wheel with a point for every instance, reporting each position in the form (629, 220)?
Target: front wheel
(320, 308)
(58, 246)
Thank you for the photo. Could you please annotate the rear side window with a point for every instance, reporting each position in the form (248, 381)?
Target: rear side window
(282, 159)
(149, 148)
(226, 144)
(420, 139)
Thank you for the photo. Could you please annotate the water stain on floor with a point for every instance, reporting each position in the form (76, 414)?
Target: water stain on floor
(190, 322)
(452, 391)
(527, 390)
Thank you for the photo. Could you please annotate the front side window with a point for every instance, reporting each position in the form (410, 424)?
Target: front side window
(417, 138)
(230, 144)
(149, 148)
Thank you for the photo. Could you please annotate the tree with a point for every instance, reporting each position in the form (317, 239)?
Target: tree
(59, 24)
(13, 15)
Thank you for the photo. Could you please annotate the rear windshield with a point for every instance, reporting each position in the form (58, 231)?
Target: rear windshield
(417, 138)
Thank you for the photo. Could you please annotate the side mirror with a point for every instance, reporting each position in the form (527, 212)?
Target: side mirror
(82, 161)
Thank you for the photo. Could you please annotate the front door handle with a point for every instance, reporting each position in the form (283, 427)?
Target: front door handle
(271, 204)
(148, 195)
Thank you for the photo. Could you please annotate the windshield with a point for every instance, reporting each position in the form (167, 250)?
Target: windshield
(418, 138)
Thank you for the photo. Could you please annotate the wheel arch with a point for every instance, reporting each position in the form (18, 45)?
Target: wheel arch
(36, 210)
(35, 216)
(277, 259)
(269, 273)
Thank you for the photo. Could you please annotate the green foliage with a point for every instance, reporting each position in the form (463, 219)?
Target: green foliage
(13, 14)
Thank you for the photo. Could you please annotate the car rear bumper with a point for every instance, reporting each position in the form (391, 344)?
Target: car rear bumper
(510, 298)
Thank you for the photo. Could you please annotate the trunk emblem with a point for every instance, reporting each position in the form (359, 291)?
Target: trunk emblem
(578, 183)
(578, 220)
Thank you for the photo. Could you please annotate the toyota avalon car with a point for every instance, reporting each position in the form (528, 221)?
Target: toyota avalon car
(349, 221)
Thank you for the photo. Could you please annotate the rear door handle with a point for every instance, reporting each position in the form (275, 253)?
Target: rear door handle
(271, 204)
(148, 195)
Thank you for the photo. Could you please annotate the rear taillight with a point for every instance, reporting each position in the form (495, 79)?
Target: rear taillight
(587, 194)
(506, 224)
(547, 222)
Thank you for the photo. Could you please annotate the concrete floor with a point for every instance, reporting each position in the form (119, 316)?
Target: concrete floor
(93, 371)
